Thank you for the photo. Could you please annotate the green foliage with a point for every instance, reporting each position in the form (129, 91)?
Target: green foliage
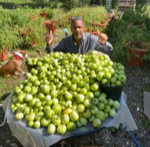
(134, 17)
(8, 39)
(41, 3)
(141, 5)
(123, 32)
(36, 33)
(132, 27)
(51, 12)
(69, 4)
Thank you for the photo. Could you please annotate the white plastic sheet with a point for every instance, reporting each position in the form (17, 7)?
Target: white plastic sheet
(40, 138)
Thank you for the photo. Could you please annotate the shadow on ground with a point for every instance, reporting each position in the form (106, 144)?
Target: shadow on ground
(4, 96)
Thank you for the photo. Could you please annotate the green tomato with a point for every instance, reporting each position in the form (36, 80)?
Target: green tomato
(61, 129)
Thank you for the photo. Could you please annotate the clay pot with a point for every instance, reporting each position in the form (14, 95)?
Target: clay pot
(50, 25)
(95, 24)
(136, 53)
(44, 14)
(4, 54)
(32, 43)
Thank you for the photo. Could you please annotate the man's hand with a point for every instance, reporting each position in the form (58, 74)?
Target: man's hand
(49, 38)
(102, 37)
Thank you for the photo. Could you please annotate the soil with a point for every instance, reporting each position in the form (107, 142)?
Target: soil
(138, 81)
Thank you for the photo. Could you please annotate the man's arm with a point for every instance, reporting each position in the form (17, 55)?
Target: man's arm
(58, 48)
(106, 48)
(49, 47)
(103, 45)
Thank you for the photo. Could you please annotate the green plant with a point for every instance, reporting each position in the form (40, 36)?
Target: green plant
(36, 33)
(134, 17)
(69, 4)
(51, 12)
(121, 32)
(9, 39)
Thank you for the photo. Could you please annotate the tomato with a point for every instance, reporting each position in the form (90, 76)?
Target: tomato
(45, 89)
(56, 121)
(45, 122)
(19, 115)
(37, 124)
(71, 126)
(31, 116)
(80, 98)
(61, 129)
(51, 129)
(26, 110)
(34, 90)
(41, 95)
(73, 87)
(54, 93)
(94, 110)
(39, 115)
(100, 115)
(50, 114)
(47, 108)
(54, 101)
(90, 95)
(87, 113)
(101, 106)
(97, 93)
(87, 103)
(33, 78)
(65, 119)
(68, 95)
(110, 102)
(83, 121)
(116, 105)
(94, 87)
(20, 98)
(57, 108)
(81, 108)
(95, 101)
(74, 116)
(83, 91)
(30, 123)
(96, 122)
(36, 83)
(28, 97)
(112, 112)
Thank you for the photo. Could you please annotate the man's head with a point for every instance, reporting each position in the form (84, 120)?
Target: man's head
(77, 28)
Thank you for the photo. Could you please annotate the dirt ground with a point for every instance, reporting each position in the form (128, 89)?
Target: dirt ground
(138, 80)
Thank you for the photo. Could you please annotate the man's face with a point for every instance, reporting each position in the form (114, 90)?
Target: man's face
(77, 29)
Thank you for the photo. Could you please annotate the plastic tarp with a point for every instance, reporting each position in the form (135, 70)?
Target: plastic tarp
(40, 138)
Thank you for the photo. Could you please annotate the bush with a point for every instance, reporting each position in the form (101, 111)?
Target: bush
(69, 4)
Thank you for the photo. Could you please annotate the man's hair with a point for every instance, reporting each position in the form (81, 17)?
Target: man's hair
(76, 18)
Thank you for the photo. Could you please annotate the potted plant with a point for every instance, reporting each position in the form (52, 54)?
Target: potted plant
(137, 49)
(44, 13)
(33, 34)
(47, 13)
(50, 25)
(9, 39)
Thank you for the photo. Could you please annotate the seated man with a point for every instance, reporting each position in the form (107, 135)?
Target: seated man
(79, 42)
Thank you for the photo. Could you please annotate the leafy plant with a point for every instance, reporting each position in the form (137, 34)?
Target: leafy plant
(9, 39)
(36, 33)
(51, 12)
(69, 4)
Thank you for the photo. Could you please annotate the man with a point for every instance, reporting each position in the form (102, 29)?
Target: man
(79, 42)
